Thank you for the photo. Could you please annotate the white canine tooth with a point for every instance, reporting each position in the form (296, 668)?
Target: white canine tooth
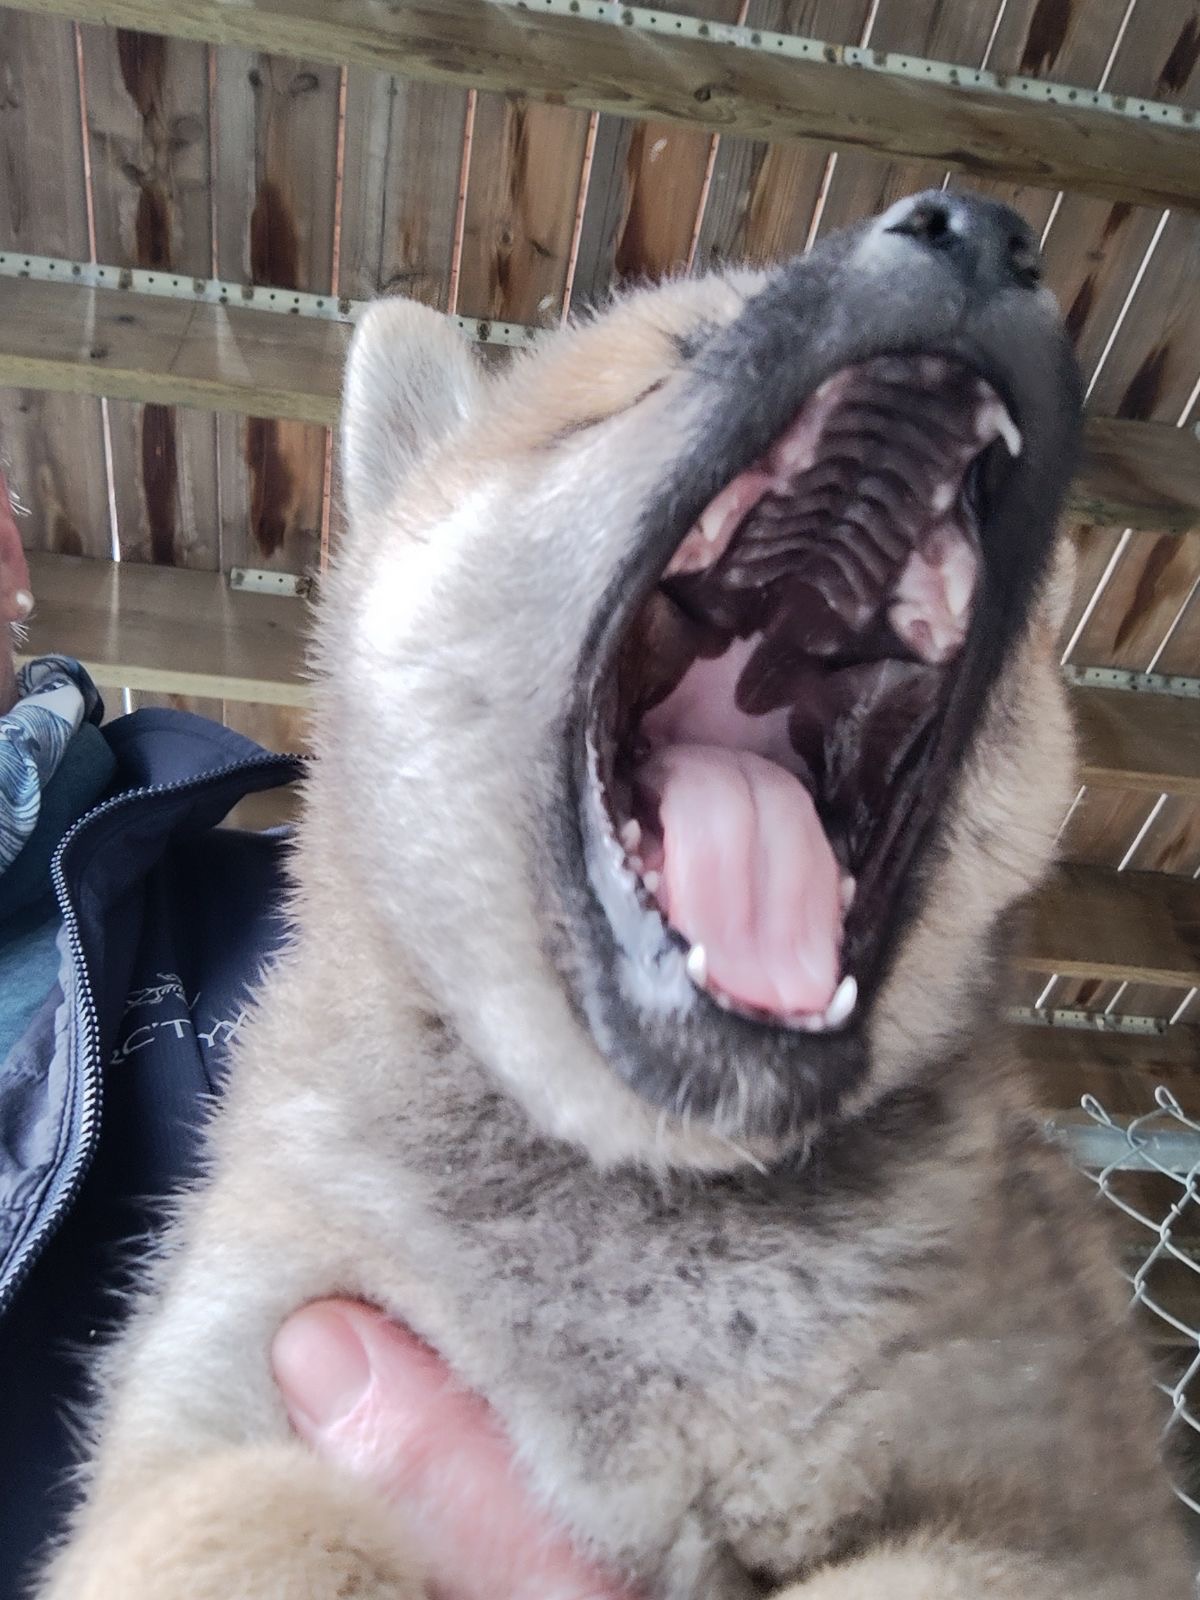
(842, 1005)
(943, 497)
(1009, 432)
(848, 886)
(710, 525)
(631, 834)
(652, 880)
(697, 965)
(992, 421)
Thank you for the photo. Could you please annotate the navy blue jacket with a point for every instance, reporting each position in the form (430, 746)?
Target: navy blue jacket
(167, 922)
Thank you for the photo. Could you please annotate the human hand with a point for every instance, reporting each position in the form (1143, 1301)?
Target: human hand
(369, 1397)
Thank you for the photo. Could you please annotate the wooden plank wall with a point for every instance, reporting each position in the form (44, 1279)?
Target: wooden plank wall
(52, 445)
(276, 151)
(1135, 601)
(149, 140)
(294, 174)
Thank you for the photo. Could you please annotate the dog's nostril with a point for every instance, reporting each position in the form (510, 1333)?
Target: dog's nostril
(929, 221)
(1025, 260)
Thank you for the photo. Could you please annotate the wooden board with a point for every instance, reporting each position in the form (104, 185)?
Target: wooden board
(148, 131)
(863, 183)
(1121, 1070)
(522, 186)
(276, 182)
(762, 195)
(1094, 251)
(53, 445)
(1139, 476)
(169, 352)
(403, 147)
(1066, 43)
(593, 65)
(1140, 926)
(645, 194)
(169, 631)
(1149, 742)
(263, 364)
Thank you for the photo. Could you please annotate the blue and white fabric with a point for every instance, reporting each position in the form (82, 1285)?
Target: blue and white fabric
(56, 697)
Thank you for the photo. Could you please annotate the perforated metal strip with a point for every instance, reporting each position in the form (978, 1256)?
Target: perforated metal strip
(892, 64)
(218, 292)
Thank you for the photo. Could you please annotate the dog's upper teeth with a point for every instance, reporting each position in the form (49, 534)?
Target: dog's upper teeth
(631, 834)
(848, 886)
(943, 497)
(652, 880)
(992, 421)
(1010, 433)
(697, 965)
(841, 1007)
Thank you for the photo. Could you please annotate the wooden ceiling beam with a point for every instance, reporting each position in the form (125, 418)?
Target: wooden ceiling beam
(179, 632)
(168, 631)
(1135, 927)
(131, 346)
(596, 63)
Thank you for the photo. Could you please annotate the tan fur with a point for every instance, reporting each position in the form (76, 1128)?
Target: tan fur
(714, 1385)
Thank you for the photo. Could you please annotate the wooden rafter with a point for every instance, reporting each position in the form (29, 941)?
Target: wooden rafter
(132, 346)
(187, 633)
(592, 64)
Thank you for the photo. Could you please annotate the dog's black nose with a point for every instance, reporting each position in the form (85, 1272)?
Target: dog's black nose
(987, 243)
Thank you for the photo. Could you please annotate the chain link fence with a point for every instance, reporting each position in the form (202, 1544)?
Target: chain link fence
(1148, 1168)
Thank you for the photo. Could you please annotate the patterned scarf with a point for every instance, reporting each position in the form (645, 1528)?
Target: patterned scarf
(57, 697)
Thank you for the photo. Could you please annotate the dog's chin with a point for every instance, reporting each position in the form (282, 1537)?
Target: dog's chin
(774, 721)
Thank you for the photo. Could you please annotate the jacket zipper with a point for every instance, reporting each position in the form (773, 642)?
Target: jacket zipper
(65, 1184)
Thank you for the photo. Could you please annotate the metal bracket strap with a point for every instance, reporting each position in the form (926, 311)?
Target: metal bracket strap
(890, 63)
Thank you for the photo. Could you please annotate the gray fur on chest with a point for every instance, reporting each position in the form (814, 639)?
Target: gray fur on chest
(671, 1356)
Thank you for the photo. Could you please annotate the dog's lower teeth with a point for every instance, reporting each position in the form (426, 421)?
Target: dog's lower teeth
(841, 1007)
(652, 880)
(697, 965)
(631, 834)
(848, 886)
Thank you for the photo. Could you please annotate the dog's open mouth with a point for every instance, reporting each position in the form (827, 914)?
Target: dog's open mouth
(765, 736)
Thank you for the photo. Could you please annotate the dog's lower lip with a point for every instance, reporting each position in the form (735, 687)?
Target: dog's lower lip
(897, 480)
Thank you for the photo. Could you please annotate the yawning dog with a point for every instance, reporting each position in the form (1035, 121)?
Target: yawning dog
(689, 718)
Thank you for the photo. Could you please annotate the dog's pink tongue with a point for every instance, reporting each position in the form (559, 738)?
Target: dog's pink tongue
(748, 873)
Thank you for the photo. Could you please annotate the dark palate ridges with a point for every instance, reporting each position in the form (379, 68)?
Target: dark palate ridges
(830, 585)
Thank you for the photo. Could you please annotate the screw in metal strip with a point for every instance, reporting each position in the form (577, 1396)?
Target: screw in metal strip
(800, 48)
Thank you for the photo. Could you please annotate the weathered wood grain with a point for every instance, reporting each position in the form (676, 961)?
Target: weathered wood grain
(51, 444)
(277, 131)
(137, 347)
(1143, 927)
(526, 162)
(1149, 742)
(148, 129)
(1122, 1070)
(169, 631)
(169, 352)
(400, 183)
(593, 65)
(762, 195)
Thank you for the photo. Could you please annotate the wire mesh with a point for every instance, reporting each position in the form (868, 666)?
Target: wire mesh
(1148, 1168)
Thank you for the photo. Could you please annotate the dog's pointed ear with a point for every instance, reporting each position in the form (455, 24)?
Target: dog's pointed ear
(410, 379)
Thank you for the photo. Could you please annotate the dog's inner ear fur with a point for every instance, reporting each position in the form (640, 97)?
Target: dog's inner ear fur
(411, 381)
